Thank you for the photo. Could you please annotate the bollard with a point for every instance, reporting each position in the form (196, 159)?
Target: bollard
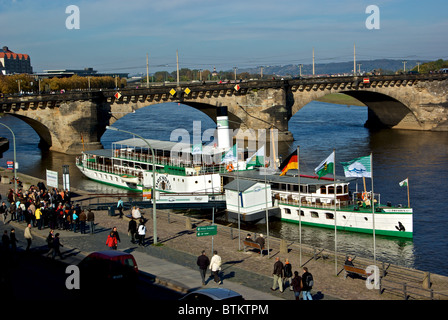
(169, 221)
(427, 281)
(283, 246)
(231, 233)
(188, 223)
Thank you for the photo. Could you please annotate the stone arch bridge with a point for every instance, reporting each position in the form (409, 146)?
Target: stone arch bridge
(67, 122)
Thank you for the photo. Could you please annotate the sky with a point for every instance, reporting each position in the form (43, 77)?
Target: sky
(116, 36)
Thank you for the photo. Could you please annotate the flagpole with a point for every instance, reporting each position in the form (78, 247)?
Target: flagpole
(373, 210)
(300, 207)
(238, 196)
(409, 202)
(335, 224)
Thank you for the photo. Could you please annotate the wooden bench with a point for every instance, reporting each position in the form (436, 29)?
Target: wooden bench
(252, 244)
(354, 270)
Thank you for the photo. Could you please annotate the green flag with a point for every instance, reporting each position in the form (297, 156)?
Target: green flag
(326, 166)
(359, 167)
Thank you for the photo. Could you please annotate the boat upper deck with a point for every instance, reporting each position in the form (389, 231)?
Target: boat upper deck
(290, 178)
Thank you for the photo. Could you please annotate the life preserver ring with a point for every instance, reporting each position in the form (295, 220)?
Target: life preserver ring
(230, 167)
(364, 196)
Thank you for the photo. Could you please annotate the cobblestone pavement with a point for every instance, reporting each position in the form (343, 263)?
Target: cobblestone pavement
(177, 242)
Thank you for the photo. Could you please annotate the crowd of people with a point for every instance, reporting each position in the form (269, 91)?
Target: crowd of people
(42, 208)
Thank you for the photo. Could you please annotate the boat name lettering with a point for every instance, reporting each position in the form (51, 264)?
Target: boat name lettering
(163, 183)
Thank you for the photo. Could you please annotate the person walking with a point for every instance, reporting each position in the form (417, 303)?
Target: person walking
(28, 236)
(120, 208)
(307, 284)
(215, 266)
(111, 241)
(82, 221)
(5, 240)
(132, 229)
(287, 274)
(141, 231)
(50, 241)
(13, 240)
(203, 262)
(278, 275)
(4, 211)
(56, 246)
(116, 235)
(91, 221)
(297, 285)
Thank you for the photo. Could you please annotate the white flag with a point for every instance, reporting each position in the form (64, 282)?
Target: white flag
(404, 183)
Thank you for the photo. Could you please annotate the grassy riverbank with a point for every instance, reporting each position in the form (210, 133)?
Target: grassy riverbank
(340, 98)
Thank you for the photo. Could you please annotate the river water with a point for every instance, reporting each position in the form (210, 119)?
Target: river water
(318, 129)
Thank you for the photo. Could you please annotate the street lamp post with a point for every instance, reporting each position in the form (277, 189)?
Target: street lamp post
(14, 144)
(154, 214)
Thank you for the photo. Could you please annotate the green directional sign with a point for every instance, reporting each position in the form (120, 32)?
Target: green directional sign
(206, 231)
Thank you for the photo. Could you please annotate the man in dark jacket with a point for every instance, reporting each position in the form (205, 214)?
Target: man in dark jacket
(203, 262)
(132, 229)
(287, 274)
(307, 284)
(278, 275)
(56, 245)
(91, 221)
(297, 284)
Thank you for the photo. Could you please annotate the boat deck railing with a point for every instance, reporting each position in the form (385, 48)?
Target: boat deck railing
(138, 172)
(182, 162)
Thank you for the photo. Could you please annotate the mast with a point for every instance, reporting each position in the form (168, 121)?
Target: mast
(373, 210)
(300, 207)
(335, 225)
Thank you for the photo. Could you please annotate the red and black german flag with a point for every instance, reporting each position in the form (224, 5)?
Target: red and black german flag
(289, 163)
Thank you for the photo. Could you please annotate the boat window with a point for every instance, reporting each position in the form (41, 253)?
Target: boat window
(314, 214)
(329, 215)
(339, 189)
(331, 190)
(323, 190)
(312, 189)
(346, 189)
(294, 187)
(301, 213)
(287, 211)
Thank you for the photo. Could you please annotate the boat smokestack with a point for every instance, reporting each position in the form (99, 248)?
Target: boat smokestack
(223, 129)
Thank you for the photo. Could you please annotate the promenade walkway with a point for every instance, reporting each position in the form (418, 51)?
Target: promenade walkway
(173, 261)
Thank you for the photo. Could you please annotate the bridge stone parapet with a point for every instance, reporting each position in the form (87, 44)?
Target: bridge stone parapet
(72, 121)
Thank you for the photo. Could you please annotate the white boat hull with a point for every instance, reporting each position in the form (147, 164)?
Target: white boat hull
(209, 183)
(397, 222)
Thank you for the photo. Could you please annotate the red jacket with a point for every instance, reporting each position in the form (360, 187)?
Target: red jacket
(111, 241)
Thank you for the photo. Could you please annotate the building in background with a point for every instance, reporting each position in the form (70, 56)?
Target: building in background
(11, 62)
(86, 72)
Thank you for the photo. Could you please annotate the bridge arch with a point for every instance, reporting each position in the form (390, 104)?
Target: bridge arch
(385, 109)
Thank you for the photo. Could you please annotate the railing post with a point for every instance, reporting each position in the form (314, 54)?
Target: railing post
(404, 292)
